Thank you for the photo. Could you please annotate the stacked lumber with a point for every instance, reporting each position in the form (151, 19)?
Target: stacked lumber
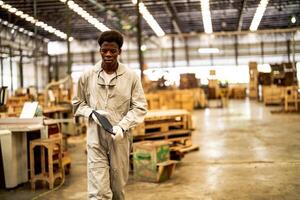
(177, 99)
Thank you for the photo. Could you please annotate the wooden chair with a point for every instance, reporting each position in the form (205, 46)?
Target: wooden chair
(291, 98)
(54, 158)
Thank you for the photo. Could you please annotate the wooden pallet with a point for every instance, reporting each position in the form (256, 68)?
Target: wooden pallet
(171, 136)
(162, 121)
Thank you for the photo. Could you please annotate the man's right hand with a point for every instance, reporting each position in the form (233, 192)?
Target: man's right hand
(101, 112)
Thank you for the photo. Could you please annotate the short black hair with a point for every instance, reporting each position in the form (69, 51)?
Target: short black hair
(111, 36)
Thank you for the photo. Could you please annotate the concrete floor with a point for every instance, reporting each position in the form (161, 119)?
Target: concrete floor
(245, 153)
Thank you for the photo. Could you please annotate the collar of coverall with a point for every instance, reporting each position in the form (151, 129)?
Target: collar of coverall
(119, 72)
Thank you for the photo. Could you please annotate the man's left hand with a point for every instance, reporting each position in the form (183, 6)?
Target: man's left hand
(119, 133)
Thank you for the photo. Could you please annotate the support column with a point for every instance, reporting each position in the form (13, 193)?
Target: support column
(69, 61)
(11, 70)
(35, 48)
(288, 50)
(262, 52)
(186, 48)
(236, 53)
(56, 68)
(21, 69)
(294, 49)
(173, 51)
(139, 40)
(49, 68)
(1, 63)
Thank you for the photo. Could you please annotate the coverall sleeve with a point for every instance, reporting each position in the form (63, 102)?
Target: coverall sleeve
(138, 107)
(79, 102)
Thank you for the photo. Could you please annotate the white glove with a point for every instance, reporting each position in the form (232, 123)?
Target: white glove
(119, 133)
(101, 112)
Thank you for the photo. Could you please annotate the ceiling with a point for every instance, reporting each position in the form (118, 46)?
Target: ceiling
(174, 16)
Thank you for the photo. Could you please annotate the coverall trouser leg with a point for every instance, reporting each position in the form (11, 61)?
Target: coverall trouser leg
(108, 168)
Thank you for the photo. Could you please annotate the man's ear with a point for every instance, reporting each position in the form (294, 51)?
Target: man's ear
(120, 51)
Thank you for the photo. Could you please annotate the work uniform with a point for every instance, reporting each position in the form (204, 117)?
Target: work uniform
(124, 100)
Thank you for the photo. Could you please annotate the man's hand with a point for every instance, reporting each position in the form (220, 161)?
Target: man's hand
(117, 130)
(101, 112)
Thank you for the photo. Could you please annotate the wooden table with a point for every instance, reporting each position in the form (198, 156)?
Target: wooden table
(13, 137)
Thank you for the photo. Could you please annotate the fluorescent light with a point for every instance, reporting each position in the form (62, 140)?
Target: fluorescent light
(258, 15)
(208, 50)
(12, 10)
(24, 16)
(6, 6)
(206, 16)
(80, 11)
(149, 19)
(19, 13)
(32, 20)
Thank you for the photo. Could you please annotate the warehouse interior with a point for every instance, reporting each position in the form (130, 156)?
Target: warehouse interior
(221, 80)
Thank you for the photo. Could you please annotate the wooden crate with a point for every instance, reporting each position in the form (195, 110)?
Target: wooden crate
(237, 91)
(273, 95)
(176, 99)
(151, 161)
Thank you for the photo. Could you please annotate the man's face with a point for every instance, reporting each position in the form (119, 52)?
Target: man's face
(109, 52)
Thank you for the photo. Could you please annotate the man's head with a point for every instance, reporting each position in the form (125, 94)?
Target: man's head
(110, 43)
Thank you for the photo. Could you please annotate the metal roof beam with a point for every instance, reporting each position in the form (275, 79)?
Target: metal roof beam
(175, 20)
(240, 23)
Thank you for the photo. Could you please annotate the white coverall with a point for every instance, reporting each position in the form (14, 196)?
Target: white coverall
(124, 100)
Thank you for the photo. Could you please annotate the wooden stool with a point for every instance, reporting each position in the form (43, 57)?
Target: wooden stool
(54, 147)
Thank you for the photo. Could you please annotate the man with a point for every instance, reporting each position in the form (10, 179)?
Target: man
(113, 90)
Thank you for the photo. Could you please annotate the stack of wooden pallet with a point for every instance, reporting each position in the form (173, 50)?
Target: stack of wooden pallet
(237, 91)
(173, 126)
(181, 99)
(16, 103)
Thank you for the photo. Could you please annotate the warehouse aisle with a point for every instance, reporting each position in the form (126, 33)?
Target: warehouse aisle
(245, 153)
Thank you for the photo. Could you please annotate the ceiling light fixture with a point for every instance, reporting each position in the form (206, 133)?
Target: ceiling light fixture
(143, 47)
(258, 15)
(32, 20)
(14, 27)
(149, 19)
(293, 20)
(84, 14)
(206, 16)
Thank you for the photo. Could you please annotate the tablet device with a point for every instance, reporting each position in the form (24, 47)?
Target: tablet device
(104, 122)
